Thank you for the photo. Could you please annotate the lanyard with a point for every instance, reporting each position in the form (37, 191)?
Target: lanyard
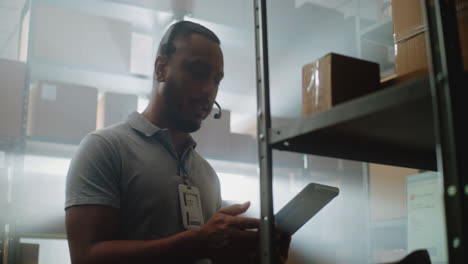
(184, 174)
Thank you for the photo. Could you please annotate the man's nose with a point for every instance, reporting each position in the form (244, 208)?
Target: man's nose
(208, 88)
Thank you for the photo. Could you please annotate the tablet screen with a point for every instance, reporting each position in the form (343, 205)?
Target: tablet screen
(304, 206)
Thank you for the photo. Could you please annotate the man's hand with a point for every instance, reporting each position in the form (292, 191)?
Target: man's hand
(229, 237)
(282, 242)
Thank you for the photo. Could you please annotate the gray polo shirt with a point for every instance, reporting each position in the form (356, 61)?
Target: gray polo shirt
(134, 167)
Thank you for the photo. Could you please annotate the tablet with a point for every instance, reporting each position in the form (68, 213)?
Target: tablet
(304, 206)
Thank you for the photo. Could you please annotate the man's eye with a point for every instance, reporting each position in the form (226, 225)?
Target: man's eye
(198, 74)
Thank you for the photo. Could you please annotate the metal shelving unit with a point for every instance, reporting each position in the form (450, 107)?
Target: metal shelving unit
(379, 31)
(365, 129)
(415, 124)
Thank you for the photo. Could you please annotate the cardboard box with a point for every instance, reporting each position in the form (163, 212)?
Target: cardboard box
(408, 19)
(462, 17)
(461, 4)
(335, 79)
(409, 35)
(12, 76)
(61, 111)
(28, 253)
(411, 55)
(114, 108)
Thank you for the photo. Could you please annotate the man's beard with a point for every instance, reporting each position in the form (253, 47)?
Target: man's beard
(174, 104)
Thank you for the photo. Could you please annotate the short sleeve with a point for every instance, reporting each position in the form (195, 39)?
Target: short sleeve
(219, 202)
(94, 174)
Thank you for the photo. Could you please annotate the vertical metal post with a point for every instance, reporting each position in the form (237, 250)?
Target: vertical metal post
(263, 126)
(367, 217)
(446, 79)
(357, 25)
(15, 159)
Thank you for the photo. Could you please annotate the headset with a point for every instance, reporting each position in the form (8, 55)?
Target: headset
(167, 47)
(218, 115)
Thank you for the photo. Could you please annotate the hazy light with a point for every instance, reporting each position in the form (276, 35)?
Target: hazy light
(46, 165)
(141, 54)
(142, 103)
(238, 187)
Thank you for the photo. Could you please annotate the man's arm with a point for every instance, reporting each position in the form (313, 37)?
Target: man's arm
(92, 230)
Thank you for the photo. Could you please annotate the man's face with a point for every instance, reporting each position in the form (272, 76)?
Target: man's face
(193, 75)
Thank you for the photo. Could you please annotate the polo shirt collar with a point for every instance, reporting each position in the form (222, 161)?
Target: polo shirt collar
(138, 122)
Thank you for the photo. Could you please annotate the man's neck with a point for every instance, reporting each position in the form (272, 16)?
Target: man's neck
(179, 139)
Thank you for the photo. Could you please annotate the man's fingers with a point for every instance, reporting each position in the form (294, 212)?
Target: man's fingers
(249, 235)
(235, 209)
(244, 222)
(285, 242)
(248, 239)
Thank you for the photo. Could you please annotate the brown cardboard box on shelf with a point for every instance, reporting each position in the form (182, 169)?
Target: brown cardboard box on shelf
(409, 36)
(12, 76)
(462, 17)
(61, 111)
(462, 4)
(334, 79)
(395, 79)
(411, 55)
(408, 19)
(114, 107)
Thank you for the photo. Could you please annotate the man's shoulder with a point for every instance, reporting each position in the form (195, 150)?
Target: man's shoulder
(110, 138)
(112, 134)
(201, 161)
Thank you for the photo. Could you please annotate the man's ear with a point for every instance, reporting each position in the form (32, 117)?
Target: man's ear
(160, 68)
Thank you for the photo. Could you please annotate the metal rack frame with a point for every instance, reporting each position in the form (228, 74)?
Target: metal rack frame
(446, 78)
(263, 135)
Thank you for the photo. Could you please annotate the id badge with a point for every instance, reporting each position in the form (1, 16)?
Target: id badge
(190, 206)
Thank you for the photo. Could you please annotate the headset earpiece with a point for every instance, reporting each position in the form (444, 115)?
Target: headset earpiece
(217, 115)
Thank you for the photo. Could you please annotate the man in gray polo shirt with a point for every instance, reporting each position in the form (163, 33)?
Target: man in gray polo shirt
(138, 192)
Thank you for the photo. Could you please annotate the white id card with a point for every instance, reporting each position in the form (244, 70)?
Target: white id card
(190, 206)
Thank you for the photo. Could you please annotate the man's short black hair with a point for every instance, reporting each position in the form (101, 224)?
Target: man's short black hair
(183, 29)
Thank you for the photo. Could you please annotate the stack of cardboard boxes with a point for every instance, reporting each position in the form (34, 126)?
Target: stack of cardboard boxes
(58, 111)
(61, 110)
(67, 111)
(409, 29)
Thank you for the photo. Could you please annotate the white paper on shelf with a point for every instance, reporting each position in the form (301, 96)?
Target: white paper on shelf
(426, 221)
